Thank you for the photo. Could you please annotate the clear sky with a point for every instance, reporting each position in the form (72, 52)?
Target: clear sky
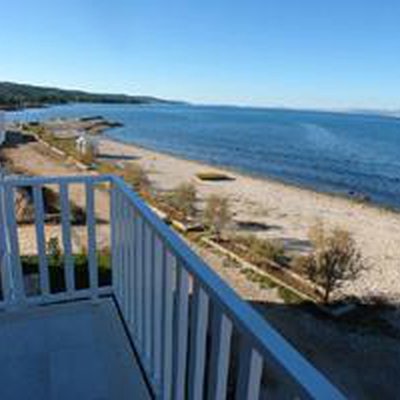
(296, 53)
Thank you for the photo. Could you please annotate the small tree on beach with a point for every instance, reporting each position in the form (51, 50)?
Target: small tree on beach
(136, 176)
(183, 198)
(217, 214)
(335, 259)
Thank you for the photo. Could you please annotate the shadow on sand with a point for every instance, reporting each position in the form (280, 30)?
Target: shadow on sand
(254, 226)
(117, 157)
(15, 138)
(358, 351)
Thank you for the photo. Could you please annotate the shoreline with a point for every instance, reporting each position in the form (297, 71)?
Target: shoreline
(258, 177)
(349, 191)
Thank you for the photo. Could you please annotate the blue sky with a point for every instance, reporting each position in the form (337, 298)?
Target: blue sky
(295, 53)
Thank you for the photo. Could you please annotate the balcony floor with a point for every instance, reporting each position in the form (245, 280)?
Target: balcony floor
(67, 351)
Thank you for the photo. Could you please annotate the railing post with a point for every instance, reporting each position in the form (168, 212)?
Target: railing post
(66, 238)
(113, 235)
(91, 229)
(16, 280)
(5, 270)
(250, 371)
(41, 240)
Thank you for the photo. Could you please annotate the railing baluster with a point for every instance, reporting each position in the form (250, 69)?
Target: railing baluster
(91, 228)
(181, 334)
(250, 371)
(199, 324)
(6, 274)
(17, 286)
(131, 266)
(119, 248)
(128, 270)
(41, 240)
(139, 280)
(115, 269)
(121, 265)
(153, 295)
(159, 265)
(136, 275)
(147, 293)
(168, 297)
(124, 259)
(66, 238)
(220, 356)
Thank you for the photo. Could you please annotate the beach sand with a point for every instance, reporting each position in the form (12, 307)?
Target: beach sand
(274, 210)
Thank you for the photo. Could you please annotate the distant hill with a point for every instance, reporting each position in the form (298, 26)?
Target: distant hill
(16, 95)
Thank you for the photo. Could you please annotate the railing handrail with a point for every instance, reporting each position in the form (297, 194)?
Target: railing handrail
(265, 338)
(16, 180)
(11, 261)
(260, 334)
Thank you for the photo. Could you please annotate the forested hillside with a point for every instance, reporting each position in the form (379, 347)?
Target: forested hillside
(14, 95)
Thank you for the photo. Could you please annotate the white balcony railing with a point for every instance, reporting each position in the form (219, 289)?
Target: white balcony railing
(193, 335)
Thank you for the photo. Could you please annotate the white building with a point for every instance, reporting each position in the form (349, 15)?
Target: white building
(84, 143)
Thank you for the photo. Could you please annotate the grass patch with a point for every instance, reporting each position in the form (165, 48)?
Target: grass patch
(30, 266)
(264, 282)
(261, 251)
(288, 296)
(67, 145)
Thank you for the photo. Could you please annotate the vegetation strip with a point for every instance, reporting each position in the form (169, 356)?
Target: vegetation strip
(334, 260)
(245, 263)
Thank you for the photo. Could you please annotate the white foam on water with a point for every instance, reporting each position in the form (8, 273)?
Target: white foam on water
(319, 135)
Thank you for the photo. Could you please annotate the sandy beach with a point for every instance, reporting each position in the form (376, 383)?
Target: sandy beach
(286, 213)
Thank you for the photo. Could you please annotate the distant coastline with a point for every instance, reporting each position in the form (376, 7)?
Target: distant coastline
(16, 96)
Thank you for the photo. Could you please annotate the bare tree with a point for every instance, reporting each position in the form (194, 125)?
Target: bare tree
(335, 259)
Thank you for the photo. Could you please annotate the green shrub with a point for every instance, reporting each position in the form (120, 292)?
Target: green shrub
(217, 214)
(334, 260)
(136, 176)
(30, 265)
(183, 199)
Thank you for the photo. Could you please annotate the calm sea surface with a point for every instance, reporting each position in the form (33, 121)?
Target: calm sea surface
(332, 152)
